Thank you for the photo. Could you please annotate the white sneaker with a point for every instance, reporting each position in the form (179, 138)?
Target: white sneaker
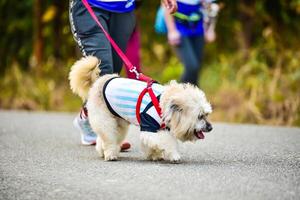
(88, 137)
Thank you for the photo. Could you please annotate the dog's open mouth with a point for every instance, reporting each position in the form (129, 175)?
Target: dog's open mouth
(199, 134)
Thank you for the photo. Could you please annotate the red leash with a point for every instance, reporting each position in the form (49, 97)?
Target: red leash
(131, 67)
(128, 64)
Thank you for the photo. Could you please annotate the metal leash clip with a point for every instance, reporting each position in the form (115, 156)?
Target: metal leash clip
(134, 70)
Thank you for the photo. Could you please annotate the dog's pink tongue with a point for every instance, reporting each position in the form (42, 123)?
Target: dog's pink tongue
(200, 135)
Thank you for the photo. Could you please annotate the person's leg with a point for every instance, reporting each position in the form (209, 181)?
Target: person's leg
(91, 41)
(89, 37)
(77, 15)
(121, 26)
(188, 57)
(198, 43)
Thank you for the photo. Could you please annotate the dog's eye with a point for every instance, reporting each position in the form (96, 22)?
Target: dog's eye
(200, 117)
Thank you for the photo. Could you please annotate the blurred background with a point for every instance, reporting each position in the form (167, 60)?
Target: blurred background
(251, 73)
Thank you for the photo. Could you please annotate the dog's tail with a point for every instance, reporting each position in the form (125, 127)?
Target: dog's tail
(83, 74)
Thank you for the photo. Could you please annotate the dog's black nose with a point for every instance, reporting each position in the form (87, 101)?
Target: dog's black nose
(208, 127)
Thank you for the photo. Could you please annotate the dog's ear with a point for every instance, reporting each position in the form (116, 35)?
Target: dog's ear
(175, 108)
(172, 109)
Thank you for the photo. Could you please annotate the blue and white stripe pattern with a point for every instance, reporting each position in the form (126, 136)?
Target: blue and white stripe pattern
(122, 95)
(119, 6)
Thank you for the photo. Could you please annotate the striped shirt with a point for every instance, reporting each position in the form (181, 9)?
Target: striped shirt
(121, 95)
(119, 6)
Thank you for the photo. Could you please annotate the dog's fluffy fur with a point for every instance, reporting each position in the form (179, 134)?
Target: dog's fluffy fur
(184, 111)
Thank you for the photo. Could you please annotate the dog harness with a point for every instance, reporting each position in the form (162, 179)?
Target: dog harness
(122, 96)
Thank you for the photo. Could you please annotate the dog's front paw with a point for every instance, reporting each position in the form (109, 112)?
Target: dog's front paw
(110, 155)
(110, 158)
(174, 158)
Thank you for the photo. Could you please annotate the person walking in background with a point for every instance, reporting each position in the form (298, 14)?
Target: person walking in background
(185, 31)
(118, 20)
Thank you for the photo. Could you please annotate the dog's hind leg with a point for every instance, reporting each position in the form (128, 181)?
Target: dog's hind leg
(103, 123)
(106, 126)
(111, 147)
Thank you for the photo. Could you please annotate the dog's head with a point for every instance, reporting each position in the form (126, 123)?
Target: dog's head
(185, 110)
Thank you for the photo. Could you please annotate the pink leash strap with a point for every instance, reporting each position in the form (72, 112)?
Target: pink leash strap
(126, 61)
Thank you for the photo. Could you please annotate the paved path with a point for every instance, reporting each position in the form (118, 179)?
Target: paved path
(41, 158)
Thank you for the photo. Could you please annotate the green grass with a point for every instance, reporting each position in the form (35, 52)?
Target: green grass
(257, 89)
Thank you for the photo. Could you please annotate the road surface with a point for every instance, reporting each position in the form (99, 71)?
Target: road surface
(41, 158)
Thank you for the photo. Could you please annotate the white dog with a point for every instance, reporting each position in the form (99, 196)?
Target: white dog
(111, 102)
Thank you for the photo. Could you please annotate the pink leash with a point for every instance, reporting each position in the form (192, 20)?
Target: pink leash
(128, 64)
(131, 68)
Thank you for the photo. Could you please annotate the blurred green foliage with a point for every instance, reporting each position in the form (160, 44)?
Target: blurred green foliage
(251, 73)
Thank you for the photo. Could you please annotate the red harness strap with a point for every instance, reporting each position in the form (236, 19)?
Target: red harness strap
(153, 99)
(128, 64)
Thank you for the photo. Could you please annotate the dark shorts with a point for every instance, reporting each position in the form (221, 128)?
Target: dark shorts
(92, 41)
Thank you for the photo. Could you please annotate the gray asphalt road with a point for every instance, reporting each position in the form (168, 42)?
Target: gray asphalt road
(41, 158)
